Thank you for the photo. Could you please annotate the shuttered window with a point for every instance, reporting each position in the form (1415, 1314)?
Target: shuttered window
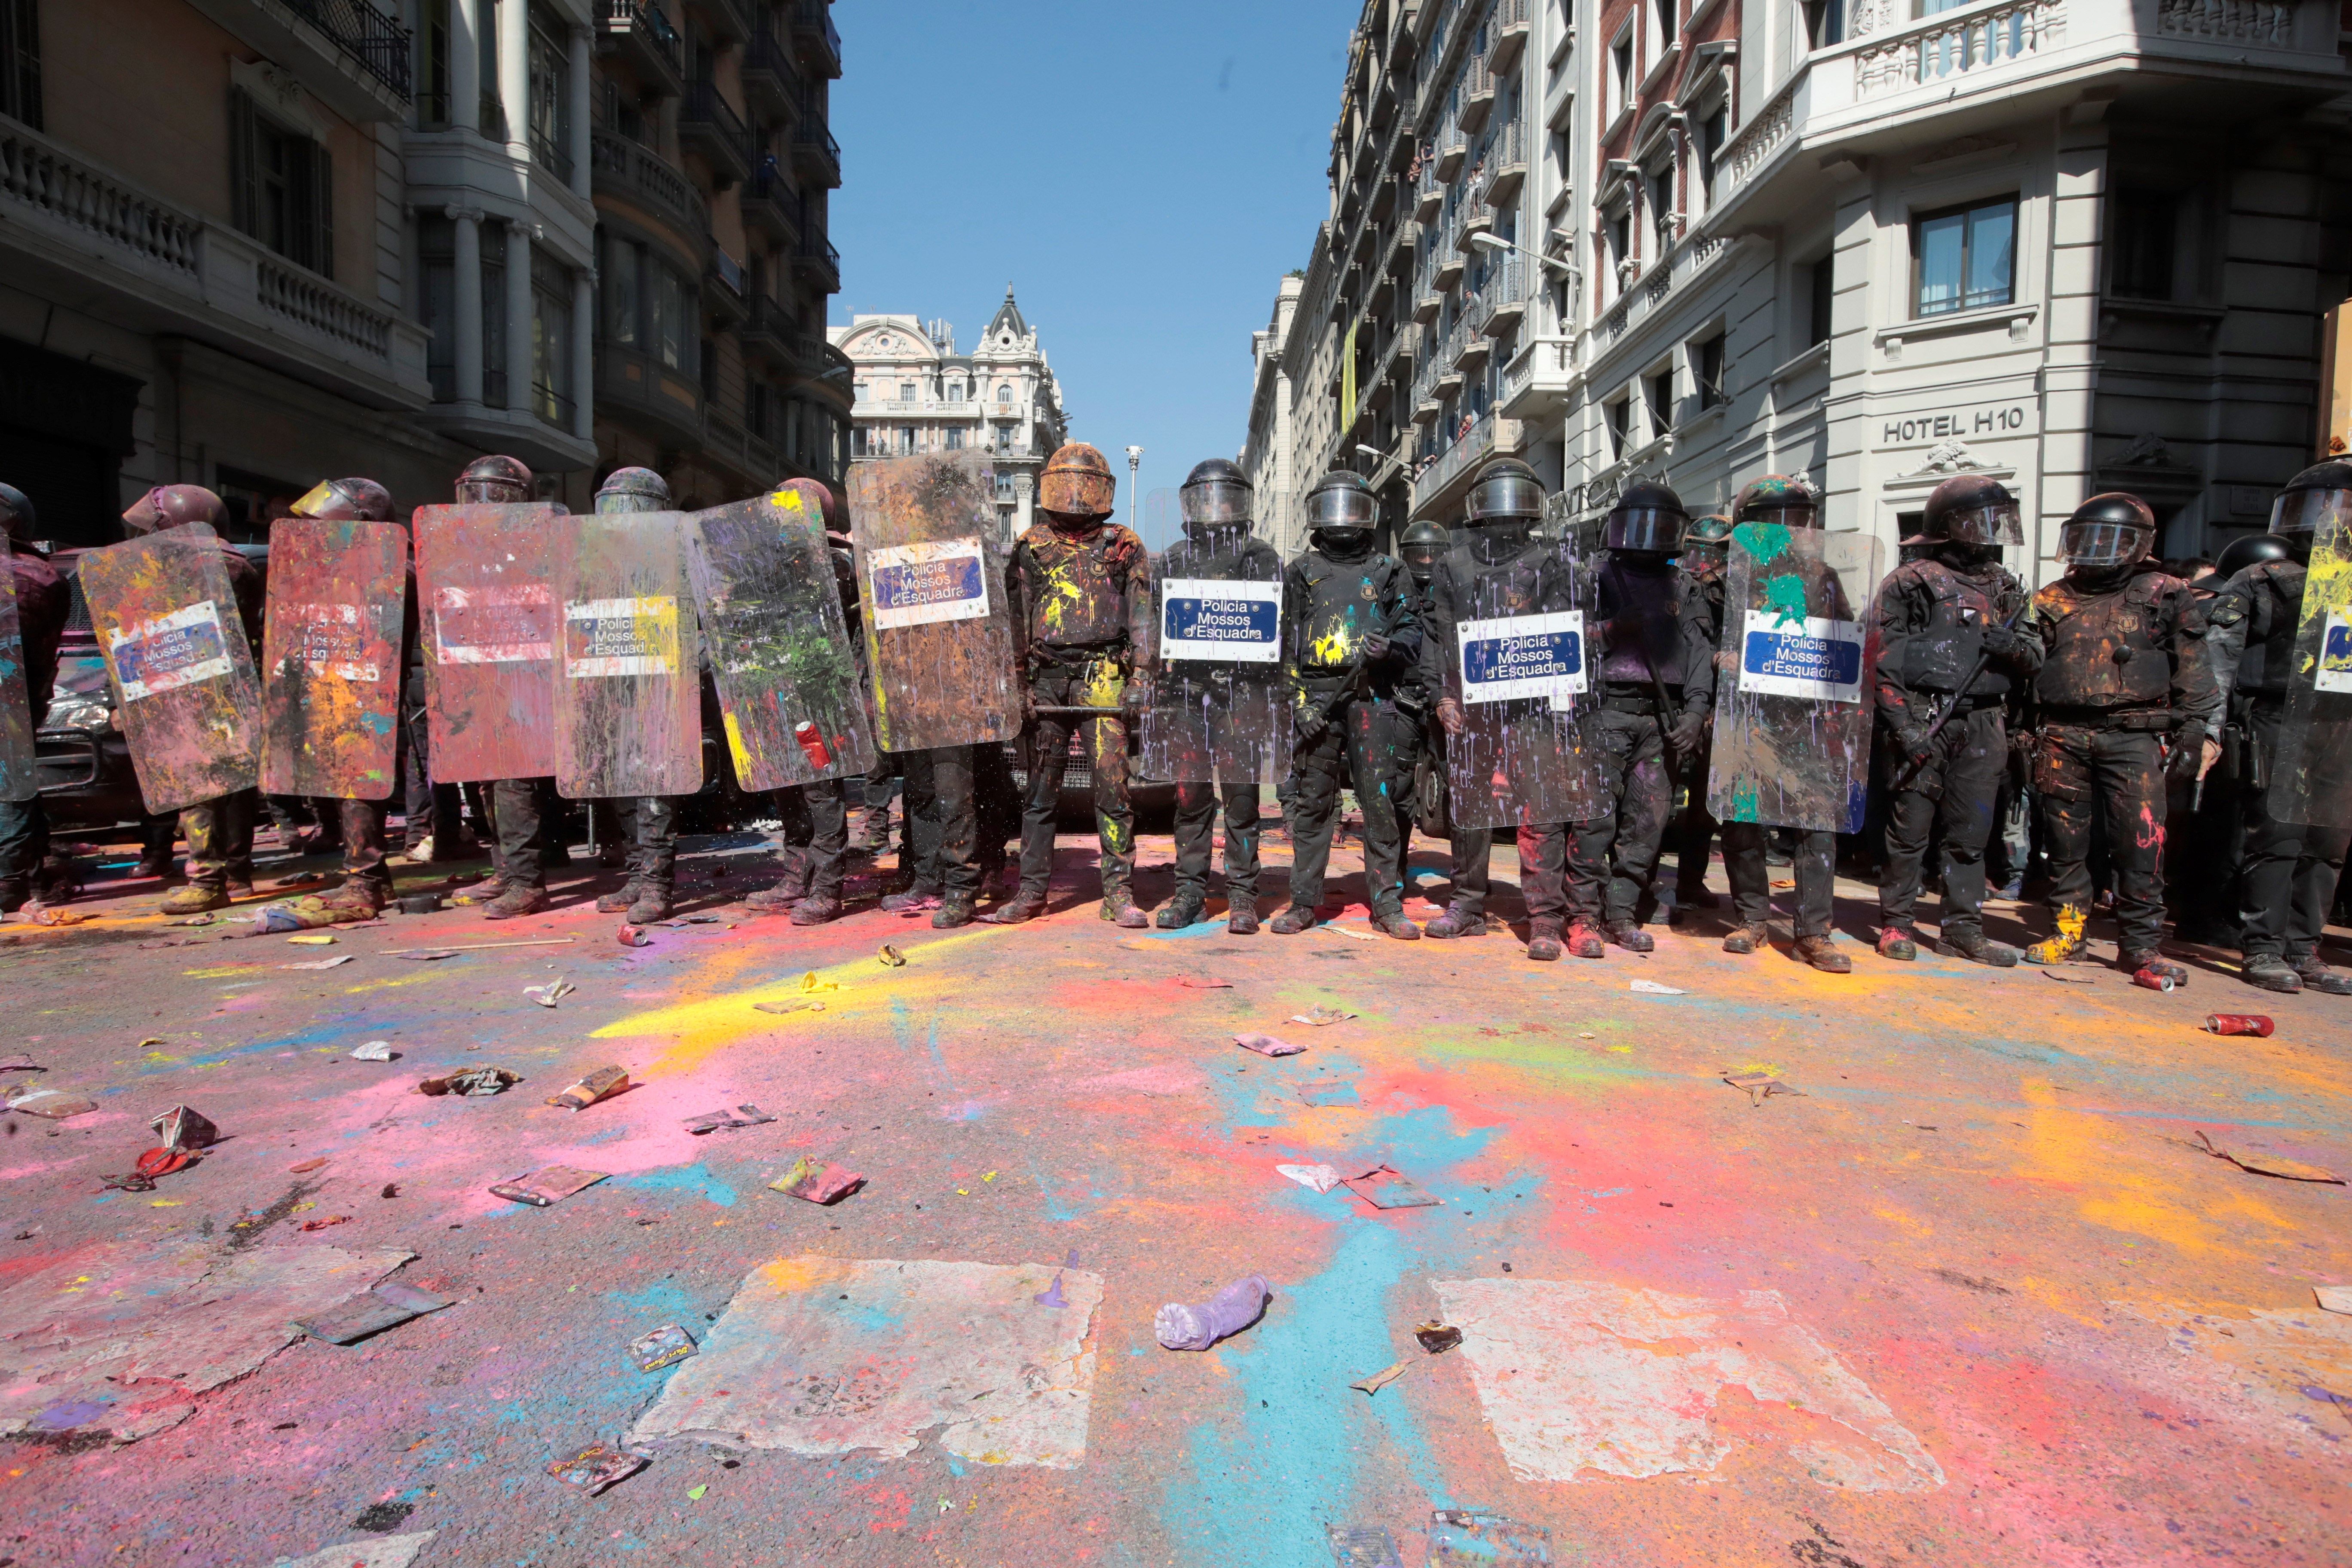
(281, 186)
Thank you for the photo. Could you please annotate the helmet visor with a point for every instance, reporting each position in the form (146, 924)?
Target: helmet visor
(1340, 507)
(1786, 513)
(1647, 528)
(1213, 502)
(1997, 523)
(2084, 543)
(1504, 495)
(325, 499)
(2307, 511)
(1422, 557)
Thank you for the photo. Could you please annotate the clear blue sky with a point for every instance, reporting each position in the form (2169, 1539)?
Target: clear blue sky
(1143, 173)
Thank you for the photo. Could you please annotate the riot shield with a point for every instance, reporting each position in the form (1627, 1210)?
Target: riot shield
(19, 774)
(164, 613)
(330, 657)
(1514, 662)
(2312, 782)
(1218, 712)
(780, 651)
(628, 703)
(930, 579)
(486, 600)
(1792, 716)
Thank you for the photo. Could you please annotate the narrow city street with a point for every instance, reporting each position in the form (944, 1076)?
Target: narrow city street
(1750, 1264)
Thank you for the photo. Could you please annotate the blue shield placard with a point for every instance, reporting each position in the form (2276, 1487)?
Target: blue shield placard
(1227, 620)
(1815, 657)
(1514, 657)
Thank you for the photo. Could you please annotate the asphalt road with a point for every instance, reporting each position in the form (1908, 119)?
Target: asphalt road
(1973, 1290)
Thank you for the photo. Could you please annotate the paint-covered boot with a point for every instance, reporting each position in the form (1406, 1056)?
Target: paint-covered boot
(2316, 976)
(1898, 944)
(1977, 948)
(782, 896)
(1824, 956)
(2270, 972)
(815, 911)
(517, 899)
(1025, 905)
(1543, 941)
(913, 902)
(1393, 923)
(359, 899)
(2061, 945)
(1455, 922)
(621, 898)
(1584, 941)
(2152, 962)
(955, 909)
(194, 899)
(15, 892)
(1629, 935)
(1747, 938)
(1118, 908)
(1293, 921)
(652, 904)
(1181, 911)
(1241, 913)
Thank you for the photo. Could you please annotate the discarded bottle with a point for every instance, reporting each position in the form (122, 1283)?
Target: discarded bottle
(812, 741)
(1229, 1311)
(2151, 980)
(2239, 1024)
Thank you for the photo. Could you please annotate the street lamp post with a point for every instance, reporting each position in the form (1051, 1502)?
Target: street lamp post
(1134, 467)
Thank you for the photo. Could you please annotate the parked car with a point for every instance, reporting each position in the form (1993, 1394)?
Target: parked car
(81, 759)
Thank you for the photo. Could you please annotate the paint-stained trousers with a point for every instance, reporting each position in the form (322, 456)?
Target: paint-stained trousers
(1356, 750)
(1694, 830)
(1958, 787)
(1196, 820)
(24, 838)
(650, 827)
(2123, 771)
(815, 836)
(1814, 863)
(941, 823)
(220, 838)
(1077, 686)
(519, 818)
(1616, 860)
(2290, 870)
(363, 844)
(1545, 849)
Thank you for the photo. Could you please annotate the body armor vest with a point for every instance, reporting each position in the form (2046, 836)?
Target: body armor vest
(2108, 650)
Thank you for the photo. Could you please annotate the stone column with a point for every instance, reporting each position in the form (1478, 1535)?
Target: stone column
(520, 362)
(514, 79)
(465, 68)
(469, 264)
(583, 354)
(1024, 497)
(582, 87)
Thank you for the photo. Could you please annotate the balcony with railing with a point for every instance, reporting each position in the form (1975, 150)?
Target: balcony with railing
(623, 169)
(1502, 167)
(1507, 34)
(769, 328)
(816, 256)
(1489, 436)
(770, 75)
(820, 40)
(769, 206)
(815, 152)
(708, 124)
(1477, 94)
(642, 32)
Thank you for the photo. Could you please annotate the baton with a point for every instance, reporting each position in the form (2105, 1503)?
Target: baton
(1984, 659)
(1068, 712)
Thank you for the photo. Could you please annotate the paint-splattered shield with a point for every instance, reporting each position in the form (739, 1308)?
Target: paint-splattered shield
(486, 608)
(2313, 783)
(930, 580)
(1792, 716)
(628, 699)
(1218, 712)
(330, 657)
(789, 686)
(20, 777)
(164, 615)
(1515, 661)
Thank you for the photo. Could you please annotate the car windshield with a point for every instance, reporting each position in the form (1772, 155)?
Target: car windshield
(81, 674)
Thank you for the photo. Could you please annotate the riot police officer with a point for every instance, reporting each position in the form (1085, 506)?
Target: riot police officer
(648, 824)
(2289, 873)
(43, 602)
(1420, 745)
(1948, 657)
(2125, 686)
(1706, 543)
(1349, 633)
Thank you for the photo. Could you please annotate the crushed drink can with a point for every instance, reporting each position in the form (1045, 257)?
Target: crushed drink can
(2239, 1024)
(2152, 980)
(812, 741)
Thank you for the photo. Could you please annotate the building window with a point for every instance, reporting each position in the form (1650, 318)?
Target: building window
(1619, 233)
(1665, 9)
(1706, 371)
(20, 61)
(1711, 133)
(437, 295)
(1660, 192)
(758, 409)
(1003, 392)
(282, 186)
(906, 392)
(1821, 299)
(1004, 437)
(1963, 258)
(2144, 227)
(1825, 23)
(433, 64)
(1621, 73)
(624, 266)
(1618, 415)
(955, 438)
(494, 316)
(550, 108)
(671, 317)
(1658, 395)
(906, 439)
(551, 341)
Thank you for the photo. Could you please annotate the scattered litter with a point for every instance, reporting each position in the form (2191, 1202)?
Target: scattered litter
(42, 915)
(2263, 1165)
(1350, 932)
(2334, 1298)
(375, 1051)
(305, 1165)
(598, 1085)
(1322, 1178)
(1761, 1086)
(809, 983)
(382, 1551)
(548, 1185)
(630, 936)
(183, 1129)
(596, 1467)
(1652, 988)
(313, 939)
(1468, 1538)
(547, 995)
(1318, 1017)
(54, 1104)
(391, 1190)
(1381, 1378)
(1051, 1296)
(2066, 976)
(684, 921)
(2254, 1023)
(1320, 1094)
(341, 958)
(419, 903)
(426, 954)
(1229, 1311)
(1362, 1548)
(1268, 1045)
(658, 1348)
(1204, 982)
(817, 1180)
(1384, 1188)
(694, 1493)
(797, 1005)
(196, 921)
(1437, 1338)
(891, 958)
(473, 1082)
(22, 1063)
(327, 1222)
(2153, 980)
(727, 1120)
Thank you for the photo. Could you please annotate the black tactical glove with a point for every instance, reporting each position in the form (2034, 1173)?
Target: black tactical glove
(1134, 697)
(1307, 726)
(2003, 646)
(1377, 647)
(1683, 738)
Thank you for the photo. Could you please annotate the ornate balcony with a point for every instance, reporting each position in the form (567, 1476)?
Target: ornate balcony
(619, 168)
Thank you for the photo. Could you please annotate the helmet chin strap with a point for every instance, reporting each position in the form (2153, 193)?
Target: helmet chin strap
(1345, 543)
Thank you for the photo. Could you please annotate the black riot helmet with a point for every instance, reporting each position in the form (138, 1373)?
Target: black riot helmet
(633, 489)
(1789, 499)
(2251, 549)
(1647, 519)
(18, 519)
(1504, 491)
(1423, 544)
(2320, 495)
(495, 481)
(1341, 509)
(1216, 494)
(1970, 508)
(2108, 531)
(1707, 539)
(346, 501)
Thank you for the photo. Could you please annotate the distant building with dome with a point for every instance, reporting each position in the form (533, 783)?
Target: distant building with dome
(915, 394)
